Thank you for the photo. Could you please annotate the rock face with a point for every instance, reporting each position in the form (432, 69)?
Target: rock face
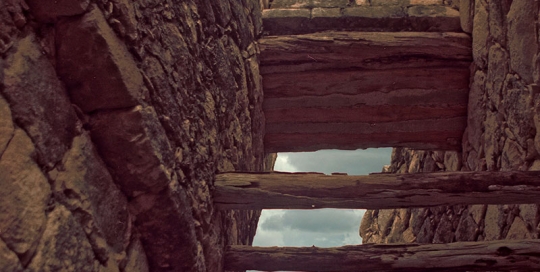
(501, 134)
(114, 119)
(308, 16)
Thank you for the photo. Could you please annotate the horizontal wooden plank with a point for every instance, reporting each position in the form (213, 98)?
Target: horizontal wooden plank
(380, 191)
(427, 134)
(517, 255)
(369, 82)
(364, 50)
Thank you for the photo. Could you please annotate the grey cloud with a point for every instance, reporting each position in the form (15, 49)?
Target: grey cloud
(318, 221)
(358, 162)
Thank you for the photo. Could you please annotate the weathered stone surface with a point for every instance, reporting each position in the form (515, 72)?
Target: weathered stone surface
(522, 41)
(6, 125)
(9, 260)
(466, 11)
(466, 229)
(135, 148)
(47, 11)
(136, 258)
(518, 230)
(24, 194)
(303, 18)
(480, 33)
(100, 73)
(82, 183)
(64, 246)
(38, 101)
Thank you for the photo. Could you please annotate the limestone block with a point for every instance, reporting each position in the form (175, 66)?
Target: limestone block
(522, 42)
(477, 212)
(480, 33)
(493, 223)
(278, 4)
(38, 101)
(513, 156)
(64, 246)
(6, 125)
(136, 258)
(444, 232)
(362, 2)
(466, 229)
(452, 161)
(135, 148)
(83, 184)
(426, 2)
(330, 3)
(530, 215)
(497, 71)
(24, 194)
(388, 2)
(432, 11)
(50, 10)
(8, 260)
(476, 111)
(96, 66)
(519, 230)
(375, 12)
(325, 12)
(287, 13)
(466, 13)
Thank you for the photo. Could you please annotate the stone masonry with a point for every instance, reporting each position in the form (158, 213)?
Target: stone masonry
(114, 118)
(502, 133)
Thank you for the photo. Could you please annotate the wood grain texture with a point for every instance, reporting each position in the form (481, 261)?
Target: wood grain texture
(363, 50)
(276, 190)
(350, 90)
(518, 255)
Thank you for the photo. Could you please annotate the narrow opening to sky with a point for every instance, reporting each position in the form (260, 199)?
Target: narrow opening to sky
(321, 227)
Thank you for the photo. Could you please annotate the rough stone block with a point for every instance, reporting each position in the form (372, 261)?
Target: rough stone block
(135, 148)
(24, 194)
(287, 13)
(480, 34)
(325, 12)
(375, 12)
(432, 11)
(6, 125)
(96, 66)
(83, 184)
(278, 4)
(50, 10)
(522, 41)
(426, 2)
(38, 101)
(64, 246)
(9, 260)
(466, 13)
(330, 3)
(389, 2)
(519, 230)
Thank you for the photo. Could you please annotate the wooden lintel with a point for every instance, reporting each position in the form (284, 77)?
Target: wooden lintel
(380, 191)
(517, 255)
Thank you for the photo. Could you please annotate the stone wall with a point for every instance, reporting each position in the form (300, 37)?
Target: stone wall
(114, 117)
(503, 120)
(307, 16)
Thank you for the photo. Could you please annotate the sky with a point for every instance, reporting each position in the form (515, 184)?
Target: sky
(322, 227)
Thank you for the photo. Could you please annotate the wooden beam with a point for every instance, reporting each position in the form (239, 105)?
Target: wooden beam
(277, 190)
(343, 90)
(517, 255)
(364, 50)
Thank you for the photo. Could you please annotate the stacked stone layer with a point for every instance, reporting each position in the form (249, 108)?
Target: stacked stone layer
(114, 118)
(502, 134)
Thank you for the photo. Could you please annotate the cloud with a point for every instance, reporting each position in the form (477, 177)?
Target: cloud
(283, 164)
(321, 221)
(357, 162)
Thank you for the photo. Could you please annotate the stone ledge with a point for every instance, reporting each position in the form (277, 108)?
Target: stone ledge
(290, 21)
